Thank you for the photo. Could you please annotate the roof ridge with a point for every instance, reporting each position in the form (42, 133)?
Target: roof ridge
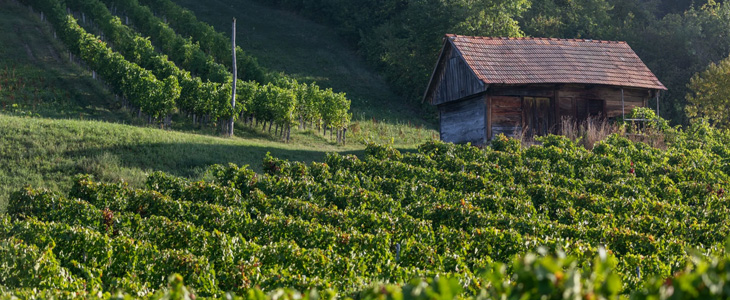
(451, 35)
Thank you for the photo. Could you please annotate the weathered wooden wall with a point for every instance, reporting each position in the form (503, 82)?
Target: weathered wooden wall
(572, 100)
(502, 109)
(506, 115)
(464, 121)
(456, 80)
(507, 105)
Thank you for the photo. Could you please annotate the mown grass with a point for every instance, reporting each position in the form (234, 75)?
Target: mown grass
(49, 152)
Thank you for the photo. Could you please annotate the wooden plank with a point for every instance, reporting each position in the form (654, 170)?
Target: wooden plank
(566, 107)
(489, 117)
(456, 81)
(464, 121)
(523, 92)
(505, 120)
(506, 130)
(556, 108)
(506, 111)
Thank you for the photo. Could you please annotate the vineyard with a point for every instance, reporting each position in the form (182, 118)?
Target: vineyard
(157, 72)
(446, 211)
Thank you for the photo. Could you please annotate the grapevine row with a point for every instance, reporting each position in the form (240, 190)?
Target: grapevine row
(218, 46)
(196, 96)
(134, 73)
(153, 96)
(283, 101)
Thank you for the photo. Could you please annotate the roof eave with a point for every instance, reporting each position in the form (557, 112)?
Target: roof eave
(429, 87)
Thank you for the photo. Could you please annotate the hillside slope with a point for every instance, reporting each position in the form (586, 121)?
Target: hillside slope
(48, 153)
(285, 42)
(36, 77)
(38, 80)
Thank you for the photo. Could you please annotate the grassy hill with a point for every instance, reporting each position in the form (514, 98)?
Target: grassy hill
(48, 153)
(36, 77)
(46, 102)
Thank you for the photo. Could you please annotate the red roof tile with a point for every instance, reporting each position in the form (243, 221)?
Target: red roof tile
(550, 60)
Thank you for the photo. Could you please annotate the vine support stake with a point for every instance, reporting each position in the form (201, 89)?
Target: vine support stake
(233, 90)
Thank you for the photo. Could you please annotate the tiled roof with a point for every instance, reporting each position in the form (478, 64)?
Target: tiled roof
(547, 60)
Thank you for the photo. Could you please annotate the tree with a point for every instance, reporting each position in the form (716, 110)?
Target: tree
(680, 45)
(710, 94)
(588, 19)
(406, 46)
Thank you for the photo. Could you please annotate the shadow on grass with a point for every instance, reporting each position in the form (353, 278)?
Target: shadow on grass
(186, 159)
(189, 160)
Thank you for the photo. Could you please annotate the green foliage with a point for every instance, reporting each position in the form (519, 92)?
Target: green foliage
(452, 211)
(505, 144)
(403, 38)
(577, 19)
(534, 277)
(205, 96)
(676, 39)
(710, 96)
(650, 120)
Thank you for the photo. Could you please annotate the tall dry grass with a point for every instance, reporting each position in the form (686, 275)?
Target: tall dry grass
(594, 129)
(589, 131)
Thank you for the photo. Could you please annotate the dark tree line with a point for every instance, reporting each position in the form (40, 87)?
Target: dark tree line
(675, 38)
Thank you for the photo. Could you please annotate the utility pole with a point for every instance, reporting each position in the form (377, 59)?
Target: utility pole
(235, 76)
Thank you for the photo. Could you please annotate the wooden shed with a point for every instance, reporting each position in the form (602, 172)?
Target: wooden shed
(486, 86)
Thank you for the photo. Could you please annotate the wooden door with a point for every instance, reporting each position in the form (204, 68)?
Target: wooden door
(539, 116)
(504, 115)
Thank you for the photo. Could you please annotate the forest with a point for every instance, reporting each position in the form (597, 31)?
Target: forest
(401, 38)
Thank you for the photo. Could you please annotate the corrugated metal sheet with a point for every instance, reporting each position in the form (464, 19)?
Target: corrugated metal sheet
(547, 60)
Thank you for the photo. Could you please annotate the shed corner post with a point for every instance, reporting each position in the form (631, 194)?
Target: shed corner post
(657, 102)
(623, 106)
(556, 109)
(441, 120)
(488, 117)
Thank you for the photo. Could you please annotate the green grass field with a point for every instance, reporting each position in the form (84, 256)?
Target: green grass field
(48, 153)
(56, 121)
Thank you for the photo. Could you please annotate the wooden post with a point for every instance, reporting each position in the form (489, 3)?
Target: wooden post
(623, 107)
(657, 103)
(488, 118)
(235, 75)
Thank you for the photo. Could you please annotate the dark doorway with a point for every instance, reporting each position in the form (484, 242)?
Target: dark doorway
(538, 116)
